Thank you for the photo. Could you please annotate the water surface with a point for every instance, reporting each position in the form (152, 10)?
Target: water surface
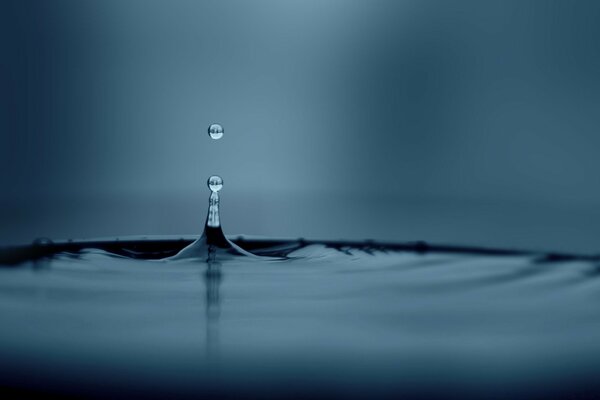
(350, 321)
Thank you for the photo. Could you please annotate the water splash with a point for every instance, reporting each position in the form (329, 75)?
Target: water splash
(213, 242)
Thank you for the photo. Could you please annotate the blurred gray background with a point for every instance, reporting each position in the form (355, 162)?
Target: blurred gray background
(469, 122)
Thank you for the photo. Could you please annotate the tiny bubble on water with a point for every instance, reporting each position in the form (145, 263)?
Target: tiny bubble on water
(215, 183)
(215, 131)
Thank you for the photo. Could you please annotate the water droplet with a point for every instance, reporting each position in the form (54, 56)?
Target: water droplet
(215, 183)
(215, 131)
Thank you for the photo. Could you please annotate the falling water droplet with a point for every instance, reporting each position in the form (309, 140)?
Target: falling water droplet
(215, 131)
(215, 183)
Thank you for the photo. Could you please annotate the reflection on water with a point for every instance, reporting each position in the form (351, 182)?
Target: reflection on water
(345, 322)
(212, 279)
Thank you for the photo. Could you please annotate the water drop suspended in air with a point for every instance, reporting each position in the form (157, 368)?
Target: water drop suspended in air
(215, 131)
(215, 183)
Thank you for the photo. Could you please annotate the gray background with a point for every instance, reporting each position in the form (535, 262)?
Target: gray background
(471, 122)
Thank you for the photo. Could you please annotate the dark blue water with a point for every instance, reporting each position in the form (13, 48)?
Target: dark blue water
(352, 321)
